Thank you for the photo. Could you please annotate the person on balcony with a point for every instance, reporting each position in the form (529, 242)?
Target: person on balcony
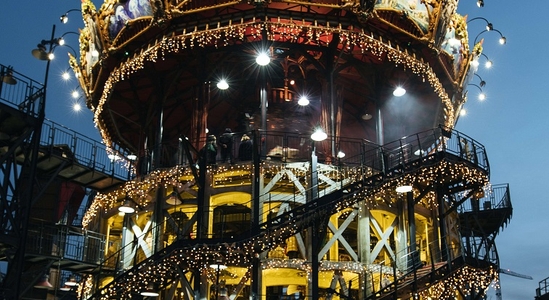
(226, 145)
(245, 149)
(209, 151)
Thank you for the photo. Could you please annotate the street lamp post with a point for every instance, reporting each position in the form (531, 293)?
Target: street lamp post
(27, 193)
(317, 136)
(314, 237)
(38, 53)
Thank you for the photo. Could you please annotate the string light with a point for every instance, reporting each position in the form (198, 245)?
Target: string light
(169, 264)
(311, 33)
(242, 253)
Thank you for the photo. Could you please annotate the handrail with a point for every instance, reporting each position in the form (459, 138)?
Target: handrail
(287, 147)
(308, 208)
(401, 276)
(27, 96)
(543, 287)
(23, 95)
(60, 140)
(66, 242)
(432, 142)
(493, 197)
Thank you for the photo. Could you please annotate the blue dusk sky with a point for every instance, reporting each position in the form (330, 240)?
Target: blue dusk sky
(511, 123)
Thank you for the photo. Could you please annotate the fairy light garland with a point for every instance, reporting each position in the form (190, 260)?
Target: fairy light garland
(223, 175)
(86, 287)
(384, 194)
(140, 190)
(466, 279)
(164, 269)
(223, 36)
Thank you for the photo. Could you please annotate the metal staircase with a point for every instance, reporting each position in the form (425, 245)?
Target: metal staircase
(384, 163)
(61, 155)
(37, 156)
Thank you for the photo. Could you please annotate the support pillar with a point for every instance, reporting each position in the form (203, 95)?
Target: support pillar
(364, 246)
(314, 232)
(442, 224)
(256, 286)
(401, 243)
(412, 227)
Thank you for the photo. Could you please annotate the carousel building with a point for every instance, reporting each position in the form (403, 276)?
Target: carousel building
(256, 149)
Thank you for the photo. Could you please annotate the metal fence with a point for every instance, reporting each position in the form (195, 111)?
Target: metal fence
(289, 147)
(23, 93)
(64, 242)
(26, 95)
(61, 140)
(494, 197)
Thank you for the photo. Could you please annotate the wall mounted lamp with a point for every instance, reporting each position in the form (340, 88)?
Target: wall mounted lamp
(64, 18)
(481, 95)
(488, 64)
(489, 26)
(7, 76)
(44, 283)
(482, 83)
(502, 39)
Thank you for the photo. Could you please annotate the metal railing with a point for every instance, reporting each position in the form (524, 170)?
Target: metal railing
(289, 147)
(429, 143)
(422, 145)
(62, 141)
(543, 288)
(407, 268)
(27, 95)
(64, 242)
(495, 197)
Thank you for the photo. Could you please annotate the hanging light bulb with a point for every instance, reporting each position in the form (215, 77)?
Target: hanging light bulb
(150, 291)
(127, 207)
(173, 199)
(404, 188)
(43, 283)
(71, 281)
(399, 91)
(263, 59)
(319, 135)
(223, 84)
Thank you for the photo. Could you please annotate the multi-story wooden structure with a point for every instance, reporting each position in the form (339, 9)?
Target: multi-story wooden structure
(299, 217)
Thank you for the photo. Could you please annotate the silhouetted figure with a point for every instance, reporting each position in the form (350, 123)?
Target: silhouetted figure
(245, 149)
(226, 145)
(209, 151)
